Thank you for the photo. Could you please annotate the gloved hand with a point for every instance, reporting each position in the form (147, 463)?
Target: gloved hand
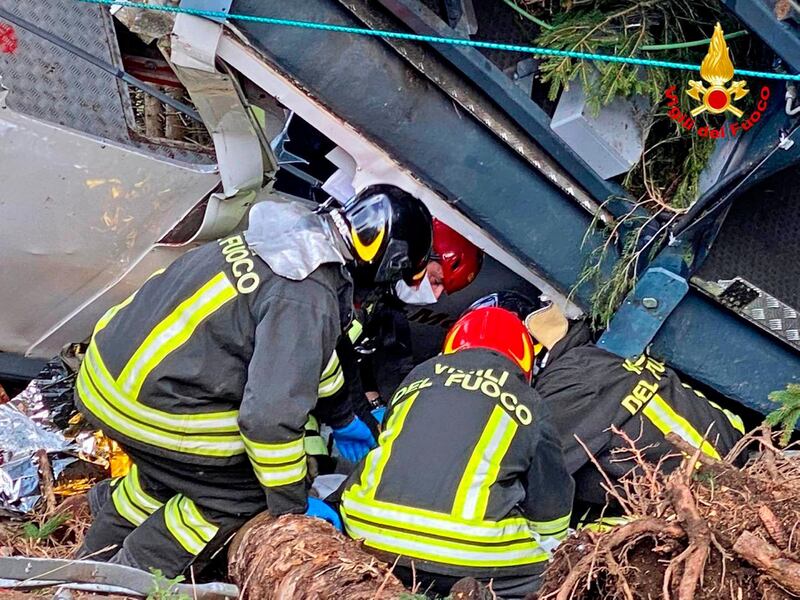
(321, 510)
(354, 440)
(379, 413)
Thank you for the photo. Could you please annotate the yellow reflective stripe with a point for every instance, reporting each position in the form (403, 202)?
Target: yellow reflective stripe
(314, 445)
(556, 527)
(442, 551)
(111, 312)
(354, 331)
(435, 523)
(138, 495)
(734, 419)
(274, 453)
(376, 460)
(174, 331)
(204, 445)
(472, 494)
(131, 501)
(332, 378)
(278, 476)
(667, 421)
(331, 368)
(312, 424)
(332, 385)
(214, 422)
(187, 525)
(606, 524)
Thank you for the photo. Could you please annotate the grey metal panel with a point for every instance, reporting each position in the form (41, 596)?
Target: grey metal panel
(51, 84)
(367, 85)
(717, 348)
(78, 214)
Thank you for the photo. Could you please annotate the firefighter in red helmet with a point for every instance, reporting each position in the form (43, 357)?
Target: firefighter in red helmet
(468, 478)
(455, 261)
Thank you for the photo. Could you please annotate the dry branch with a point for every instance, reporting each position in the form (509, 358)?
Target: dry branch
(46, 481)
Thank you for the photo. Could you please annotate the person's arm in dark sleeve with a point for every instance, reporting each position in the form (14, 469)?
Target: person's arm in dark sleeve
(293, 354)
(576, 408)
(550, 487)
(335, 407)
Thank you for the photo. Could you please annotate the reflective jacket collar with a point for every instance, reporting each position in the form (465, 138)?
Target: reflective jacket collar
(291, 238)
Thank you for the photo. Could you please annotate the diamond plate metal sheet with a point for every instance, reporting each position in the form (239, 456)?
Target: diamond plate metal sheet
(48, 83)
(762, 309)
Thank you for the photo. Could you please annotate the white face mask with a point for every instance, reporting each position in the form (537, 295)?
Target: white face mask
(421, 295)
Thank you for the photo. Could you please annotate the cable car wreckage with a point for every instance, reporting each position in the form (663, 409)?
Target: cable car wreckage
(89, 232)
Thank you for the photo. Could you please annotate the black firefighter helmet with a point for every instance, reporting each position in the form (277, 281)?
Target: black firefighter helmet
(389, 235)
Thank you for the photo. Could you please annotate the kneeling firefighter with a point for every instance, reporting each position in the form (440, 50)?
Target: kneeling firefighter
(207, 374)
(468, 478)
(590, 390)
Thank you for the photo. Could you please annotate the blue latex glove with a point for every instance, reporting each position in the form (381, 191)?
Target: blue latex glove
(320, 510)
(379, 413)
(354, 440)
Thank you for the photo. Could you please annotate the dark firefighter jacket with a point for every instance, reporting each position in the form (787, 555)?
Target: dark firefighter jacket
(588, 390)
(376, 353)
(468, 476)
(217, 360)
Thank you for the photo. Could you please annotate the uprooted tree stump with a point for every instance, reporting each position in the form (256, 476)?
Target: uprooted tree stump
(706, 531)
(297, 558)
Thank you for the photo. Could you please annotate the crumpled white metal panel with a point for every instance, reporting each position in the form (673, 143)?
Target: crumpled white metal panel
(79, 214)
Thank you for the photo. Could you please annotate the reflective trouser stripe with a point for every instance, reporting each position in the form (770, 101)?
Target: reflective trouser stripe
(667, 421)
(412, 544)
(312, 440)
(332, 378)
(174, 331)
(179, 433)
(131, 501)
(277, 464)
(605, 524)
(111, 312)
(184, 521)
(376, 460)
(472, 494)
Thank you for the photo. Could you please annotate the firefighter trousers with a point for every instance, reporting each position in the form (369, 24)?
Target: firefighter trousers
(167, 515)
(506, 587)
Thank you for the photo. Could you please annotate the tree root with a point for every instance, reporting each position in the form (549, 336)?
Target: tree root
(699, 534)
(770, 560)
(295, 557)
(624, 534)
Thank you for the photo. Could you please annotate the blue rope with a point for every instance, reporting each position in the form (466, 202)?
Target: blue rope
(646, 62)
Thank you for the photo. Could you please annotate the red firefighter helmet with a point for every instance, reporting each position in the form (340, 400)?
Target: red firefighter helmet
(494, 329)
(461, 260)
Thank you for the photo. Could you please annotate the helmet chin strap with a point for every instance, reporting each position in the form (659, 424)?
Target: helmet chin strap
(343, 230)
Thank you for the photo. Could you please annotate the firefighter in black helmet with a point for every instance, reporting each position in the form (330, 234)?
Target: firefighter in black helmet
(207, 374)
